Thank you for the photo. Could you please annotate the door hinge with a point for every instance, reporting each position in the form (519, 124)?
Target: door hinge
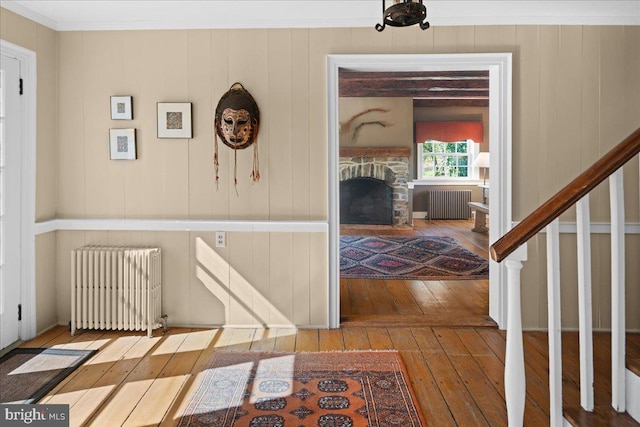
(19, 312)
(21, 86)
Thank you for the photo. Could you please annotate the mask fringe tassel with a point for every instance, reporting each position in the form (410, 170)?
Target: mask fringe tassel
(235, 170)
(255, 172)
(216, 164)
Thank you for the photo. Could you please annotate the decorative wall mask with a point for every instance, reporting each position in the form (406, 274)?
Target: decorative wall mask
(237, 120)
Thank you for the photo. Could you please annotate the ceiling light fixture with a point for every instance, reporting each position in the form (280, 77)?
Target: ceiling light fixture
(403, 13)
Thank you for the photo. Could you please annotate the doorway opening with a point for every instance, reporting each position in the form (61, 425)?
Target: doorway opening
(17, 285)
(499, 68)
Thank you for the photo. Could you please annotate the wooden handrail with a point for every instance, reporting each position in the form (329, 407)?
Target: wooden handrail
(567, 197)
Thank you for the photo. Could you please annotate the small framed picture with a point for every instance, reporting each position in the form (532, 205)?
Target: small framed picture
(122, 144)
(121, 108)
(174, 120)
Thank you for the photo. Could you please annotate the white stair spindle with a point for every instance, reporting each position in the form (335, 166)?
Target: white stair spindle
(616, 191)
(514, 374)
(555, 338)
(584, 303)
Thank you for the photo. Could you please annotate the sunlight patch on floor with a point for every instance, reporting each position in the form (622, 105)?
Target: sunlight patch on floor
(273, 367)
(222, 377)
(170, 344)
(83, 345)
(122, 403)
(35, 364)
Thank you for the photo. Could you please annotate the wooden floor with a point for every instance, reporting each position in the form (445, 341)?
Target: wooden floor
(456, 373)
(455, 368)
(373, 302)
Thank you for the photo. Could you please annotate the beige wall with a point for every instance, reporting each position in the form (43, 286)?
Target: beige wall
(276, 279)
(575, 94)
(44, 42)
(398, 129)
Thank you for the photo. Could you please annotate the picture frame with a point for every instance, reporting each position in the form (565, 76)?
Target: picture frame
(174, 120)
(121, 108)
(122, 144)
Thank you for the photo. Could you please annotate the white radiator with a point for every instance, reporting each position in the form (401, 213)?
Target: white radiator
(448, 204)
(116, 288)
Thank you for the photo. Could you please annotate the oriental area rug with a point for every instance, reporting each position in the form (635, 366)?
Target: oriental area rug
(28, 374)
(409, 257)
(323, 389)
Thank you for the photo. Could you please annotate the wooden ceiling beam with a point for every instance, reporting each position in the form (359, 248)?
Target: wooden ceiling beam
(346, 74)
(429, 103)
(355, 85)
(447, 87)
(414, 93)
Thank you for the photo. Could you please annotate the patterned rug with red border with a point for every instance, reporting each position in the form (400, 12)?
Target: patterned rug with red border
(323, 389)
(409, 257)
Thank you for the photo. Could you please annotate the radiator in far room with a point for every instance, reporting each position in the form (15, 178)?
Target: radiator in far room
(116, 288)
(448, 204)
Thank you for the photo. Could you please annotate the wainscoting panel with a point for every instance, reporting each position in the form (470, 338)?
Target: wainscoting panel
(271, 279)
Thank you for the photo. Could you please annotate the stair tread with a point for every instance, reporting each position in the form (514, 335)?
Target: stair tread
(603, 415)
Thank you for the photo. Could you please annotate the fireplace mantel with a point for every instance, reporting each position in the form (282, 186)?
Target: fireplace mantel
(375, 151)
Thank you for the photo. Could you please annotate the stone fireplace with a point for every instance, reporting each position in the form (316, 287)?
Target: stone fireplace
(389, 165)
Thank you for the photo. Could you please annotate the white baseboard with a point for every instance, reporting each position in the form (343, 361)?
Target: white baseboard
(633, 394)
(246, 326)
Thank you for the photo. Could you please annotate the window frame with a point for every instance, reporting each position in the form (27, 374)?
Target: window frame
(473, 149)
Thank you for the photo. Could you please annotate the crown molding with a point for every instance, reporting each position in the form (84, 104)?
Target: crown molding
(73, 15)
(26, 12)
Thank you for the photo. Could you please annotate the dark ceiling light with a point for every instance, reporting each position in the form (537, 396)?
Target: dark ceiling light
(403, 13)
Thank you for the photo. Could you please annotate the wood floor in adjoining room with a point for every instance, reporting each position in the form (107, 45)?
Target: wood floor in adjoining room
(375, 302)
(457, 373)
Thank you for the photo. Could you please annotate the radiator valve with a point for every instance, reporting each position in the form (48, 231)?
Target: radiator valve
(163, 320)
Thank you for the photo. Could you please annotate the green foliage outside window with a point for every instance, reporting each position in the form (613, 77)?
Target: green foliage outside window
(445, 159)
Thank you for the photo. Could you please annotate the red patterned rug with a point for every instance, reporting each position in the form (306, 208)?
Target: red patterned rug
(324, 389)
(409, 257)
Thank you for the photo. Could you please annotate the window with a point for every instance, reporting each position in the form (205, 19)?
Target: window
(446, 160)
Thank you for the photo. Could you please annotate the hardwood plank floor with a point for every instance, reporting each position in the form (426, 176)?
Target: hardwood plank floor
(464, 303)
(456, 373)
(454, 360)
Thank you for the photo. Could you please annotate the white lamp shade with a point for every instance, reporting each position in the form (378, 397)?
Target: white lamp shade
(481, 160)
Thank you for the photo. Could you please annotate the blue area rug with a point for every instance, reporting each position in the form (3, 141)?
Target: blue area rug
(409, 257)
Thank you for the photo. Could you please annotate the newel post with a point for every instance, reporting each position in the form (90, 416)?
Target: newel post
(514, 379)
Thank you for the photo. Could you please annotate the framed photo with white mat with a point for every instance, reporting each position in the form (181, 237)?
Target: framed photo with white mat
(122, 144)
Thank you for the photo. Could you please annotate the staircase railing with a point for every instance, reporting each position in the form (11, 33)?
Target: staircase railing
(512, 249)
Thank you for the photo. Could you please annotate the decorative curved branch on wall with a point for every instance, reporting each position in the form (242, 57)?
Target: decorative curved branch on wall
(346, 126)
(356, 131)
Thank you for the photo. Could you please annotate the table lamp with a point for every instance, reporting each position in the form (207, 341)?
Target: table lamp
(482, 161)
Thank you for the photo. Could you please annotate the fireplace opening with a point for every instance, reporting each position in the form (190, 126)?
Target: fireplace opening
(366, 201)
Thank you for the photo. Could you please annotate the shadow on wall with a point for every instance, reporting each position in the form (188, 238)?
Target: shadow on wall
(219, 278)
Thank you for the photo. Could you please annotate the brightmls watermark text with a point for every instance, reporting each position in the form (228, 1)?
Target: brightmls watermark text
(34, 415)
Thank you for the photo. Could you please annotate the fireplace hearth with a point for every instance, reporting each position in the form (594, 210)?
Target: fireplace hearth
(366, 201)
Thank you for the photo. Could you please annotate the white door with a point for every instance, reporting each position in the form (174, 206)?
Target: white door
(10, 199)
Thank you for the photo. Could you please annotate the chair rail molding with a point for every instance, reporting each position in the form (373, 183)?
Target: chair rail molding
(106, 224)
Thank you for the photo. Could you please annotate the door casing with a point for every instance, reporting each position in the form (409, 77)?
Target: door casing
(499, 66)
(27, 60)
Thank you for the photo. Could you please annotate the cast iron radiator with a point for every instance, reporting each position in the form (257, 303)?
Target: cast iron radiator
(448, 204)
(116, 288)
